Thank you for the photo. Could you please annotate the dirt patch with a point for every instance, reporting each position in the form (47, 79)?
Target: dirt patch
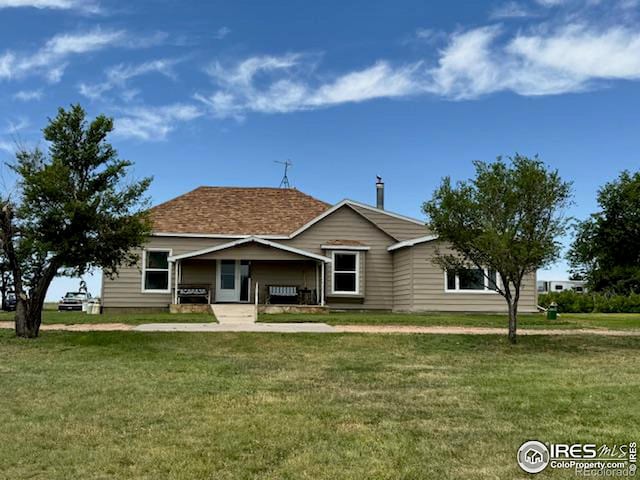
(479, 330)
(79, 327)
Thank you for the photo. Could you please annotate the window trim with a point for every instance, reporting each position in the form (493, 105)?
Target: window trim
(355, 253)
(485, 291)
(169, 270)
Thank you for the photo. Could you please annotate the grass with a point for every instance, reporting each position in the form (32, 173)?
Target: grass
(68, 318)
(334, 406)
(615, 321)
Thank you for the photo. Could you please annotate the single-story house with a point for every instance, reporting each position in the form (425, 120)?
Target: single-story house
(275, 246)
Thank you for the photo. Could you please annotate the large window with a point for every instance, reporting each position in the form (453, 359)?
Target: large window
(471, 280)
(345, 272)
(156, 271)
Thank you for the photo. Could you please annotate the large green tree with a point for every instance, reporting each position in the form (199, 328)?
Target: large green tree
(73, 210)
(606, 248)
(507, 219)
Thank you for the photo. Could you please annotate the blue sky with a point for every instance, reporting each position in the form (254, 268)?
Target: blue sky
(211, 93)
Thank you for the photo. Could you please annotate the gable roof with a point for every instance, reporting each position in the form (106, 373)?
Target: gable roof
(354, 207)
(237, 211)
(397, 226)
(243, 241)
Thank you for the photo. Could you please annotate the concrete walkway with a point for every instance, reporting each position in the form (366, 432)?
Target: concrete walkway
(234, 313)
(237, 327)
(319, 328)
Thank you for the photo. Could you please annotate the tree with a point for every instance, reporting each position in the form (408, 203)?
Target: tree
(507, 219)
(606, 247)
(74, 211)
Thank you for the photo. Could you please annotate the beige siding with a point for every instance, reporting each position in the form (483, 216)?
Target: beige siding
(429, 289)
(199, 272)
(376, 265)
(125, 290)
(403, 279)
(396, 227)
(295, 273)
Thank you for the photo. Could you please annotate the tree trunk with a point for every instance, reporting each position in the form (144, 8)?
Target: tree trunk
(28, 318)
(29, 309)
(3, 287)
(513, 320)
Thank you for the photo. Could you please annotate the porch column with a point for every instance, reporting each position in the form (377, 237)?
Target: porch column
(176, 274)
(322, 284)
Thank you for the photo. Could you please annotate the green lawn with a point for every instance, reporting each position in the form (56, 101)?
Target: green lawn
(330, 406)
(570, 320)
(53, 316)
(567, 320)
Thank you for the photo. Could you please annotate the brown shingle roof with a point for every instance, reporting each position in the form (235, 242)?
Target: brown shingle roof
(237, 211)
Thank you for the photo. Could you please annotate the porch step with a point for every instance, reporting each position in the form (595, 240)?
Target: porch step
(234, 313)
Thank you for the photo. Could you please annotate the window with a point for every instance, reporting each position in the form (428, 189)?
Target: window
(227, 274)
(156, 271)
(345, 272)
(559, 287)
(481, 280)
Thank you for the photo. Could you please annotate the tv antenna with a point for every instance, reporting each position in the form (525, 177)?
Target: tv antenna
(284, 183)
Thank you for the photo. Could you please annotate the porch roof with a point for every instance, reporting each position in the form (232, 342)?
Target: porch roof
(244, 241)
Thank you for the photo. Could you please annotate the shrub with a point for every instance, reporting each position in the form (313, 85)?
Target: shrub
(573, 302)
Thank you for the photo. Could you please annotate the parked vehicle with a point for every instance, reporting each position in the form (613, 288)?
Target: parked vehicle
(9, 302)
(73, 301)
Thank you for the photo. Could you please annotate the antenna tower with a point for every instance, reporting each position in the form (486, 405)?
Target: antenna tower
(284, 183)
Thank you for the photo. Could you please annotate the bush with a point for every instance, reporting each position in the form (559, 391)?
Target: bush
(573, 302)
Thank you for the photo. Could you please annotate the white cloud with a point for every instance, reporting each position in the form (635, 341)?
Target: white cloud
(582, 52)
(50, 60)
(466, 67)
(425, 33)
(378, 81)
(118, 76)
(279, 84)
(153, 123)
(222, 32)
(81, 5)
(28, 95)
(511, 9)
(7, 147)
(17, 126)
(540, 60)
(551, 3)
(569, 59)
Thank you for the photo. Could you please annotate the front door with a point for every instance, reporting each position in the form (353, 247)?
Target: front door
(228, 284)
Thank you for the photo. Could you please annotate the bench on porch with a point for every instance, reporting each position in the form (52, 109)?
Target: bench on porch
(194, 293)
(290, 293)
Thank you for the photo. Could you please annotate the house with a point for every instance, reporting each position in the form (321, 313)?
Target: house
(533, 457)
(548, 286)
(274, 246)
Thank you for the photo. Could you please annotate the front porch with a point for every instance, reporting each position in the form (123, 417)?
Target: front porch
(260, 308)
(249, 271)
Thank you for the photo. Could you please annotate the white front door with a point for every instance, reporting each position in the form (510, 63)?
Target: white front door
(228, 281)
